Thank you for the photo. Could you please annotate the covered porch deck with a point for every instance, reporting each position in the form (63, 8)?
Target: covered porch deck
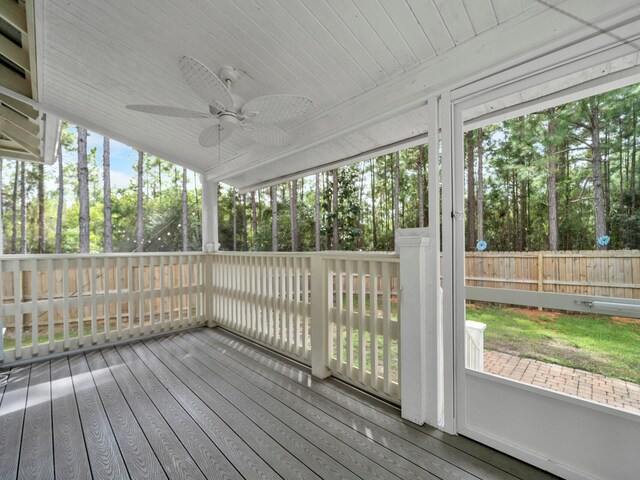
(204, 403)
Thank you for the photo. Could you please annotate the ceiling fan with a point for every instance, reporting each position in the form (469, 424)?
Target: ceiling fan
(228, 113)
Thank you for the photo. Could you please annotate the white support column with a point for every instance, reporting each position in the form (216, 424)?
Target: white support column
(419, 297)
(209, 215)
(433, 189)
(319, 318)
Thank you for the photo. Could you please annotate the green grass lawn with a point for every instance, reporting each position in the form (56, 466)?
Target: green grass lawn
(596, 343)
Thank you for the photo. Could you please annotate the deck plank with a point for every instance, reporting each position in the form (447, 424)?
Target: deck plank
(143, 429)
(104, 455)
(12, 411)
(269, 393)
(471, 456)
(301, 396)
(209, 404)
(238, 436)
(212, 462)
(71, 460)
(139, 457)
(36, 452)
(298, 450)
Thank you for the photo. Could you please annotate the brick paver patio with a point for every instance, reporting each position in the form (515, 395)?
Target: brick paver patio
(592, 386)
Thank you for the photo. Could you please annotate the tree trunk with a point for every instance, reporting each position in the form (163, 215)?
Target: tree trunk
(317, 212)
(632, 183)
(23, 209)
(140, 211)
(106, 169)
(480, 186)
(471, 192)
(245, 240)
(41, 230)
(83, 190)
(294, 215)
(396, 196)
(1, 212)
(522, 231)
(552, 196)
(185, 213)
(254, 222)
(621, 199)
(334, 199)
(60, 200)
(420, 176)
(234, 219)
(596, 164)
(373, 205)
(274, 219)
(14, 208)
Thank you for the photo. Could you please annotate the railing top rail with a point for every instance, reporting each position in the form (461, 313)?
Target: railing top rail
(75, 256)
(329, 254)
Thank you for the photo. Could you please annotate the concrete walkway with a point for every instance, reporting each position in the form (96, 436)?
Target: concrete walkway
(592, 386)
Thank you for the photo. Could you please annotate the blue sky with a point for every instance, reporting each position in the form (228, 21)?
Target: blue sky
(123, 159)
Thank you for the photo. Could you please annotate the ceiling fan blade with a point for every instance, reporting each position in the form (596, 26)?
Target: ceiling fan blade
(214, 134)
(276, 108)
(204, 82)
(265, 134)
(168, 111)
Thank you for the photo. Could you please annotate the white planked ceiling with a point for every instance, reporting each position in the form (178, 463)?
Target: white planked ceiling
(99, 55)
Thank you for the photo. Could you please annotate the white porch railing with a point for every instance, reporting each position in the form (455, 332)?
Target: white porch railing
(56, 303)
(265, 296)
(336, 311)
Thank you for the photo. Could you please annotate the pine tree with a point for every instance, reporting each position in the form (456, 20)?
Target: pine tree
(83, 190)
(139, 210)
(106, 169)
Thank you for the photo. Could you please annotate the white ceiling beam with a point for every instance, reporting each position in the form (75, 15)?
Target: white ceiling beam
(13, 52)
(15, 14)
(13, 81)
(18, 155)
(19, 121)
(25, 140)
(21, 107)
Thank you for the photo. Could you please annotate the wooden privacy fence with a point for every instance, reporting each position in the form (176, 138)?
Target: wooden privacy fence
(54, 303)
(612, 273)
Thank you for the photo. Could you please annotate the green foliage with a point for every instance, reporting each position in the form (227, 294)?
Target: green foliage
(596, 343)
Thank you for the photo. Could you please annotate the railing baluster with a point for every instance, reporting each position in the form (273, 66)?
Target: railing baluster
(141, 292)
(152, 293)
(131, 303)
(361, 323)
(94, 303)
(163, 325)
(386, 327)
(349, 327)
(118, 279)
(190, 289)
(373, 352)
(171, 289)
(306, 349)
(106, 308)
(18, 298)
(34, 308)
(80, 297)
(50, 309)
(297, 271)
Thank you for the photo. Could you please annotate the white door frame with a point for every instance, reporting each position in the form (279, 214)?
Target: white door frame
(568, 436)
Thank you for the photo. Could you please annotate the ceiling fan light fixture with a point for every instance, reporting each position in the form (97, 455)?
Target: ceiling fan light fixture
(253, 119)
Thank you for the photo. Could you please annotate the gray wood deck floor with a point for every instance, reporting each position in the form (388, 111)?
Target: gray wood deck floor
(207, 405)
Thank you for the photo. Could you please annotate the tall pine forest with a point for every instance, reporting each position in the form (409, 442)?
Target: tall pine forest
(559, 179)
